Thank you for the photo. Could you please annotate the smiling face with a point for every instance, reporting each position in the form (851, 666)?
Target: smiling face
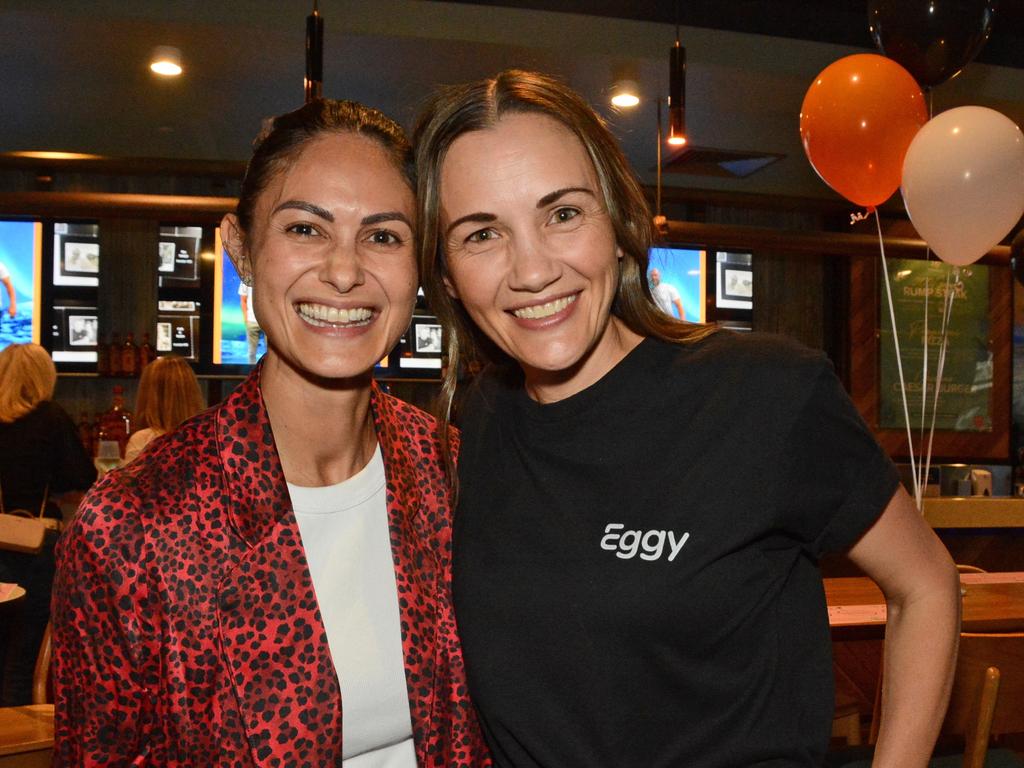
(331, 257)
(530, 251)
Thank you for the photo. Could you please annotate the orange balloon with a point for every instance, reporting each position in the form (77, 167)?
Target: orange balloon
(857, 121)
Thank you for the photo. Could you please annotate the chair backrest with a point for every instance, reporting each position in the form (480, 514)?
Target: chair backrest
(41, 673)
(988, 691)
(964, 568)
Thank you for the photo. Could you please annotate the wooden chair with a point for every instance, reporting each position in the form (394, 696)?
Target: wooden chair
(987, 698)
(962, 568)
(26, 733)
(846, 716)
(988, 692)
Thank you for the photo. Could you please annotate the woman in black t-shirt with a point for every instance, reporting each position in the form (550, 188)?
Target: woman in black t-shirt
(643, 502)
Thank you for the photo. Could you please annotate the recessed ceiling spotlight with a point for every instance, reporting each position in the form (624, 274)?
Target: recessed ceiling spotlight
(166, 61)
(625, 94)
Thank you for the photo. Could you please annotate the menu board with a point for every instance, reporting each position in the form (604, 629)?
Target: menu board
(178, 256)
(965, 399)
(177, 329)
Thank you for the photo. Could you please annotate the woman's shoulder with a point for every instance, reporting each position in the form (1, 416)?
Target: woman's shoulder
(761, 354)
(49, 412)
(119, 504)
(411, 426)
(405, 414)
(170, 459)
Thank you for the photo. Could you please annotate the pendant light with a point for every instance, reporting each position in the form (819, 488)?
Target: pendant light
(677, 94)
(314, 80)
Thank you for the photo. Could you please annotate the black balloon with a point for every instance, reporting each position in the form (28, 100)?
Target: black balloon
(932, 39)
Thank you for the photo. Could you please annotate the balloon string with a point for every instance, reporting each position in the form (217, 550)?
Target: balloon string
(860, 215)
(899, 363)
(946, 313)
(922, 476)
(923, 469)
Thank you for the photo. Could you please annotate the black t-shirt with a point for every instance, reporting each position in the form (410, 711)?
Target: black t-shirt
(635, 566)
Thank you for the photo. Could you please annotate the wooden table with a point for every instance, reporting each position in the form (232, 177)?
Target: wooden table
(11, 593)
(992, 602)
(26, 736)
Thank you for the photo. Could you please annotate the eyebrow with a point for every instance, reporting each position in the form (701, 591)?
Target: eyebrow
(302, 205)
(551, 197)
(323, 213)
(476, 218)
(377, 218)
(487, 218)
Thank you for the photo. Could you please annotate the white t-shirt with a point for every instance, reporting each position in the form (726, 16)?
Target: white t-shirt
(345, 534)
(4, 273)
(246, 290)
(138, 441)
(665, 296)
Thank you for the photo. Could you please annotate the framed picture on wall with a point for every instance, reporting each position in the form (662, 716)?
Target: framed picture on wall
(82, 330)
(80, 257)
(427, 338)
(972, 412)
(76, 254)
(734, 280)
(74, 331)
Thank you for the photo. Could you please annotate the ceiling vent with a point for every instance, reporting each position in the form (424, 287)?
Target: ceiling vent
(726, 163)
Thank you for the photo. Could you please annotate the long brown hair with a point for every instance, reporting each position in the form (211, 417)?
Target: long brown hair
(460, 109)
(169, 393)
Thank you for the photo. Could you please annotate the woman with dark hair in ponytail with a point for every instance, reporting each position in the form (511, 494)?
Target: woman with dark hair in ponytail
(268, 585)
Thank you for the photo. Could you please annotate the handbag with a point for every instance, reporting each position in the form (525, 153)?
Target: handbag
(20, 529)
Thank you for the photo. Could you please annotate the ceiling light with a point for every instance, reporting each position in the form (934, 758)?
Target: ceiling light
(625, 94)
(166, 61)
(677, 94)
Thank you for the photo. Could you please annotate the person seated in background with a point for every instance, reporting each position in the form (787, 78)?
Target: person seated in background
(168, 394)
(41, 457)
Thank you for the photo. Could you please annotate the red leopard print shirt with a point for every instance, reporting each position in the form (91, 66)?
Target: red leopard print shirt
(186, 629)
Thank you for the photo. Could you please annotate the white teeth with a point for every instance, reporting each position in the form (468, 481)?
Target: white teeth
(321, 315)
(545, 310)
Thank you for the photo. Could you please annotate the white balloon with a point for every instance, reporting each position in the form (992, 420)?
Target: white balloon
(963, 182)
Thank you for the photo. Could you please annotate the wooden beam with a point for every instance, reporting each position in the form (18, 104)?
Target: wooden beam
(99, 204)
(753, 239)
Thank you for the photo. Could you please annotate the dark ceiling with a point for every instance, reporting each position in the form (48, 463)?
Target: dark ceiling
(842, 22)
(74, 75)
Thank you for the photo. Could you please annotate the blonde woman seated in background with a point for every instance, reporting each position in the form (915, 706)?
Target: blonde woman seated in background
(168, 394)
(41, 458)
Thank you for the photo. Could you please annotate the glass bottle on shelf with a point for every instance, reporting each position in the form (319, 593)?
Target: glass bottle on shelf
(146, 353)
(129, 356)
(115, 425)
(115, 354)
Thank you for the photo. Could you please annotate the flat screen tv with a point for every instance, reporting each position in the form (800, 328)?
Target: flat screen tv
(677, 280)
(231, 332)
(20, 265)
